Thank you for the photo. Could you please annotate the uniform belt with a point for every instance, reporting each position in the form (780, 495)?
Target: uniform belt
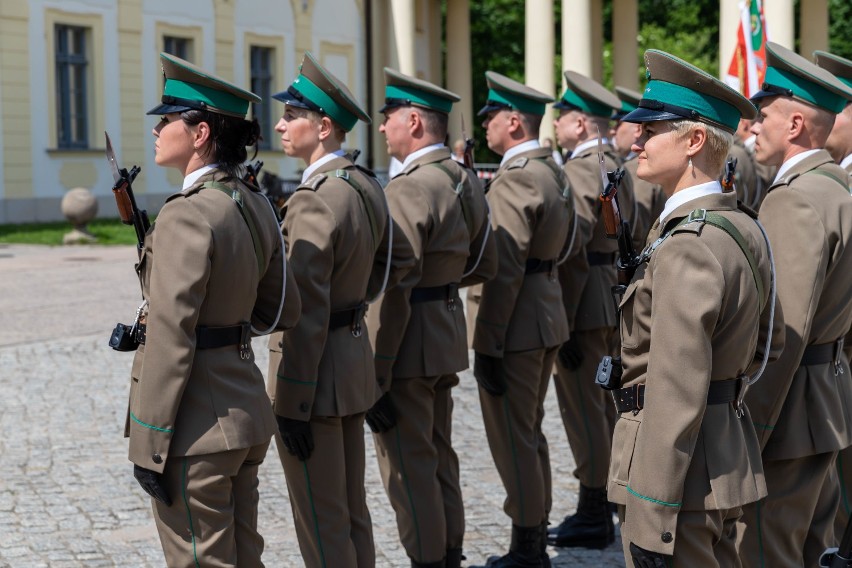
(349, 317)
(214, 337)
(824, 353)
(536, 265)
(633, 398)
(601, 258)
(448, 293)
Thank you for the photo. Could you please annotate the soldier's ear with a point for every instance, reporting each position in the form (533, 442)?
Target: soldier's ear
(326, 127)
(201, 135)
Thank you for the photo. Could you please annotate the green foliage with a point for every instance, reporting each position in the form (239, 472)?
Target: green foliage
(107, 231)
(840, 28)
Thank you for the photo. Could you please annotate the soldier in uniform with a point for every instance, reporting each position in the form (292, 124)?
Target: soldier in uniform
(336, 227)
(839, 145)
(584, 113)
(212, 274)
(685, 454)
(801, 407)
(520, 321)
(746, 181)
(763, 173)
(649, 197)
(418, 328)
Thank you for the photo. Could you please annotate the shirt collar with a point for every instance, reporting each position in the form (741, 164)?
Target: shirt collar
(522, 147)
(309, 171)
(421, 152)
(587, 144)
(749, 142)
(687, 195)
(193, 176)
(785, 167)
(846, 162)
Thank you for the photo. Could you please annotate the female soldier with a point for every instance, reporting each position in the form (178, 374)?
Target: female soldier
(213, 273)
(685, 454)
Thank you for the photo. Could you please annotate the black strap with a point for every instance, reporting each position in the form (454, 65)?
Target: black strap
(349, 317)
(633, 398)
(433, 293)
(601, 258)
(822, 353)
(210, 337)
(537, 265)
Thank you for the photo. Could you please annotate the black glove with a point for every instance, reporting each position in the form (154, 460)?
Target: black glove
(382, 416)
(570, 355)
(646, 559)
(489, 373)
(297, 436)
(150, 482)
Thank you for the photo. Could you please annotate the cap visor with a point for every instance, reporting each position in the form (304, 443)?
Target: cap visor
(488, 108)
(288, 99)
(618, 116)
(162, 109)
(763, 94)
(563, 105)
(648, 115)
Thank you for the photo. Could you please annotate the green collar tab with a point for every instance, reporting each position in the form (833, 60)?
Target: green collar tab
(517, 102)
(709, 107)
(419, 97)
(327, 104)
(588, 106)
(806, 90)
(214, 98)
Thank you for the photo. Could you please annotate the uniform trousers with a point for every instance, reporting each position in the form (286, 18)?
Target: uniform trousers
(704, 538)
(420, 470)
(212, 521)
(328, 497)
(513, 428)
(794, 524)
(588, 413)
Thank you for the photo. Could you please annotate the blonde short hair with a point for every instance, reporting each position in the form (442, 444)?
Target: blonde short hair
(718, 142)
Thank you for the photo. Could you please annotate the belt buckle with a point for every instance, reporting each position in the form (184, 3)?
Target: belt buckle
(356, 320)
(245, 341)
(637, 402)
(452, 289)
(838, 349)
(739, 401)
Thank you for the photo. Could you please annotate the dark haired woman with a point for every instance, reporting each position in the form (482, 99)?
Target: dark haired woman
(213, 274)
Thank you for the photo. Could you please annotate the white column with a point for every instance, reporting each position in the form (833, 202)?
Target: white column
(402, 13)
(459, 78)
(380, 58)
(539, 53)
(729, 21)
(577, 37)
(625, 29)
(780, 22)
(813, 33)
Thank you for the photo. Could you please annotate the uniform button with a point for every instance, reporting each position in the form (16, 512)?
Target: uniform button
(303, 407)
(157, 458)
(666, 537)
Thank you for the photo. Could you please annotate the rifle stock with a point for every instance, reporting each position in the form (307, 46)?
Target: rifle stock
(616, 227)
(128, 211)
(728, 179)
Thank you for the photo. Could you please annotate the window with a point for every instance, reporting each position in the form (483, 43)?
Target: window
(71, 86)
(177, 46)
(261, 85)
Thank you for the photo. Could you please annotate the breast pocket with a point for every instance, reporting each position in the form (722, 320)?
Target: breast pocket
(629, 337)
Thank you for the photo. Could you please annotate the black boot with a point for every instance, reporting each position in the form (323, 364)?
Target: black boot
(590, 527)
(454, 557)
(442, 563)
(526, 550)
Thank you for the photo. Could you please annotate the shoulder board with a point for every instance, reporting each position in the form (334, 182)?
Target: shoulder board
(365, 171)
(518, 163)
(313, 183)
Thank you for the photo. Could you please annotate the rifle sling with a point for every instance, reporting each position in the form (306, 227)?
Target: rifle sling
(371, 214)
(237, 197)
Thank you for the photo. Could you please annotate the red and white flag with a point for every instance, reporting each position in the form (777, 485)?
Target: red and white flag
(748, 65)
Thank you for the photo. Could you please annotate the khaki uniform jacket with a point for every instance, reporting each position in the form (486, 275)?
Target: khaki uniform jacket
(586, 289)
(678, 452)
(650, 201)
(808, 217)
(329, 372)
(199, 268)
(426, 339)
(532, 217)
(746, 181)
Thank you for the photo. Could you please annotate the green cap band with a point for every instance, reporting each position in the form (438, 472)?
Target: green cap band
(711, 108)
(215, 98)
(418, 97)
(806, 90)
(591, 107)
(517, 102)
(328, 105)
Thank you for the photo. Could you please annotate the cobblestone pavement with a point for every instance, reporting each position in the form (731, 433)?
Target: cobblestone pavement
(67, 494)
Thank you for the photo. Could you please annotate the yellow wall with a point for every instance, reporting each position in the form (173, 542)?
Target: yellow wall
(14, 89)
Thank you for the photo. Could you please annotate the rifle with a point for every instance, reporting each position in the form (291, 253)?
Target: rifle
(616, 227)
(252, 173)
(730, 171)
(468, 148)
(125, 201)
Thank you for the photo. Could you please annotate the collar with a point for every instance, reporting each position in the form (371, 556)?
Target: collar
(786, 166)
(586, 145)
(749, 142)
(192, 177)
(309, 171)
(421, 152)
(520, 148)
(394, 168)
(687, 195)
(846, 162)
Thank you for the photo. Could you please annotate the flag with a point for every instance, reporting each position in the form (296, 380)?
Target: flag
(748, 64)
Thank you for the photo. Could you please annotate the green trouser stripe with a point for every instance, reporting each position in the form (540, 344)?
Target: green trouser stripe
(844, 496)
(589, 442)
(314, 513)
(514, 458)
(189, 514)
(759, 535)
(410, 496)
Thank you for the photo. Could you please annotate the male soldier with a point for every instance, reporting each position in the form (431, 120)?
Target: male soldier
(418, 328)
(839, 145)
(763, 174)
(746, 181)
(521, 321)
(801, 407)
(584, 114)
(649, 197)
(335, 225)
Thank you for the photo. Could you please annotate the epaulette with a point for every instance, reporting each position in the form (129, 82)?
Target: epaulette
(366, 171)
(518, 163)
(313, 183)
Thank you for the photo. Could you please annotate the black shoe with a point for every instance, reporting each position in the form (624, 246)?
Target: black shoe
(442, 563)
(590, 527)
(526, 550)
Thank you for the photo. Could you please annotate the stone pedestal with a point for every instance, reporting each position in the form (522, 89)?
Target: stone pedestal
(79, 206)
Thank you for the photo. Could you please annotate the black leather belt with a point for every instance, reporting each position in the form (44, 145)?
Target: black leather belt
(823, 353)
(536, 265)
(350, 317)
(633, 398)
(214, 337)
(447, 293)
(601, 258)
